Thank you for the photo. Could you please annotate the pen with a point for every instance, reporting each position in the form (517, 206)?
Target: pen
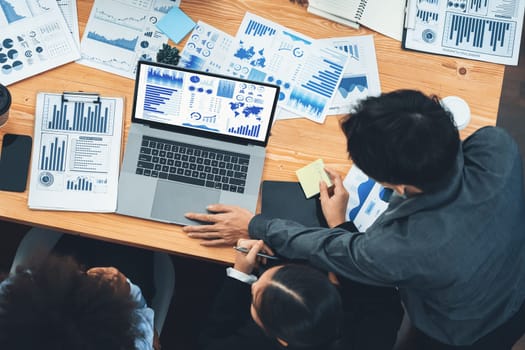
(246, 250)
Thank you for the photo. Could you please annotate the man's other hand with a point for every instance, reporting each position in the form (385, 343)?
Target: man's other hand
(333, 200)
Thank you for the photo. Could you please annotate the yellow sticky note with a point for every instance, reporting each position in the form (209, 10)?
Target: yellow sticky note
(310, 176)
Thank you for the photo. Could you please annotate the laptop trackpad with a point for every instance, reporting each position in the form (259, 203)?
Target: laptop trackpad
(173, 200)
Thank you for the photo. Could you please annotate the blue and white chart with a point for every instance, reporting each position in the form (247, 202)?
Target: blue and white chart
(76, 152)
(361, 76)
(365, 203)
(120, 32)
(34, 38)
(206, 49)
(484, 30)
(70, 13)
(307, 71)
(198, 101)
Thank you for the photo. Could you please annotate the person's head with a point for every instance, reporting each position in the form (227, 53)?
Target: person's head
(298, 306)
(403, 138)
(55, 305)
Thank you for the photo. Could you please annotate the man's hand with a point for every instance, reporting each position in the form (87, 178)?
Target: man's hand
(227, 224)
(333, 201)
(114, 277)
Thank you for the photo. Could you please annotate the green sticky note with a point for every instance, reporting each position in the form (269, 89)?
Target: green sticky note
(310, 176)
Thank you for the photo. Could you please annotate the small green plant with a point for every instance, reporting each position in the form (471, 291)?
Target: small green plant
(168, 54)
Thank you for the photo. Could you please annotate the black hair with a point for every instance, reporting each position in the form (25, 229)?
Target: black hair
(300, 2)
(302, 307)
(403, 137)
(54, 305)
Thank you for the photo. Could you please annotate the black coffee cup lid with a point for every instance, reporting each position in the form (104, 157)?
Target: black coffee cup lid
(5, 99)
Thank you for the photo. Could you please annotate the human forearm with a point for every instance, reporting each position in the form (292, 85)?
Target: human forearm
(329, 249)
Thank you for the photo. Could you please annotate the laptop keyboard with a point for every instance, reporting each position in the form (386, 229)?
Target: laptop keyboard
(196, 165)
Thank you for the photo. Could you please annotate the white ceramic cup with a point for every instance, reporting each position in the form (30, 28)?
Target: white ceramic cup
(459, 109)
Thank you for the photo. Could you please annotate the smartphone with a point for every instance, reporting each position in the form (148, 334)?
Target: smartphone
(14, 162)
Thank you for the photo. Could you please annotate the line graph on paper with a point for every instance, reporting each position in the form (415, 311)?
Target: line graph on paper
(119, 33)
(132, 22)
(121, 42)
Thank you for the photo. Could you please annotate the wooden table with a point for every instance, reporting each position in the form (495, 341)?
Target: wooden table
(293, 143)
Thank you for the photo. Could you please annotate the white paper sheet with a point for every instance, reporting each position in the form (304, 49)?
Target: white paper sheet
(365, 203)
(69, 11)
(485, 30)
(76, 153)
(361, 76)
(34, 38)
(119, 33)
(308, 71)
(206, 49)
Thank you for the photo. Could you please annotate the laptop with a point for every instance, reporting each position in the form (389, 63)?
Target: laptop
(196, 138)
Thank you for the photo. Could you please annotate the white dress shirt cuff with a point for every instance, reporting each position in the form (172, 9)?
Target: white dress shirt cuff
(241, 276)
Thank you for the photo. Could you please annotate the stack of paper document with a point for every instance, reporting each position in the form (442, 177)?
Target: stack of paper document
(119, 33)
(316, 77)
(34, 37)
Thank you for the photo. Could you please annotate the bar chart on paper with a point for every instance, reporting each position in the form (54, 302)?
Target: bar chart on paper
(76, 152)
(87, 184)
(80, 184)
(479, 34)
(53, 149)
(485, 30)
(79, 116)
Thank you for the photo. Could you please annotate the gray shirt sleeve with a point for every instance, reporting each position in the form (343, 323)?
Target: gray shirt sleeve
(329, 249)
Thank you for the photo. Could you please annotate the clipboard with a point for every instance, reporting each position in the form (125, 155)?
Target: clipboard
(76, 152)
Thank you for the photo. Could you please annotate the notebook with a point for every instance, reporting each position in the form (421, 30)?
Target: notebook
(196, 138)
(285, 200)
(385, 17)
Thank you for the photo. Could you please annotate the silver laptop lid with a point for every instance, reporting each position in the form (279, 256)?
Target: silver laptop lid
(204, 104)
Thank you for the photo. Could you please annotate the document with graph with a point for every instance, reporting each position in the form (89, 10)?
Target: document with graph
(76, 152)
(367, 198)
(34, 38)
(484, 30)
(119, 33)
(361, 76)
(308, 71)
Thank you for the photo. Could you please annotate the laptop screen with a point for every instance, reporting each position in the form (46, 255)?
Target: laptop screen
(204, 102)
